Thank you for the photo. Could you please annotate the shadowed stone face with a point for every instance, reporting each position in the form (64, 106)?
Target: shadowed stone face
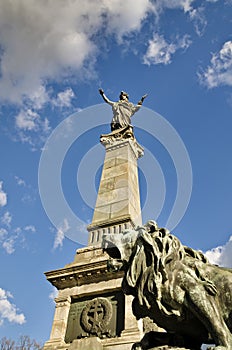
(174, 285)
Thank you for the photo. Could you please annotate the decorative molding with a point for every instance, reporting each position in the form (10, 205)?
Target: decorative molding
(117, 135)
(62, 301)
(121, 138)
(111, 222)
(80, 275)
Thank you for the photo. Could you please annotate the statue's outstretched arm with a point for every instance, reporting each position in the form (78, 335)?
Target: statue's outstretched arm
(105, 98)
(142, 99)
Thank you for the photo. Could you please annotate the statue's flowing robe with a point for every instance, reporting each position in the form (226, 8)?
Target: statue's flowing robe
(122, 113)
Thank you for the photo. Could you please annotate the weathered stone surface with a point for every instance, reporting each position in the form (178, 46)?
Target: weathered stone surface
(175, 286)
(93, 343)
(112, 196)
(117, 169)
(80, 282)
(118, 194)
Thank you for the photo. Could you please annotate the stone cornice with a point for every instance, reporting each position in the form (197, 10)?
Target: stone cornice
(120, 138)
(78, 275)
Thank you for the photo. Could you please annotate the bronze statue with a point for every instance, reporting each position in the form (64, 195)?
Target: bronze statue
(123, 110)
(174, 285)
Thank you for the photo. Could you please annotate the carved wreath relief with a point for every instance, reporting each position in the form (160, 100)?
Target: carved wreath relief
(95, 317)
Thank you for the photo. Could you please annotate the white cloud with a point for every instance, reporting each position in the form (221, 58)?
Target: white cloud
(9, 241)
(214, 255)
(219, 72)
(184, 5)
(39, 97)
(36, 54)
(6, 219)
(30, 228)
(53, 294)
(8, 311)
(9, 245)
(197, 16)
(31, 127)
(221, 255)
(160, 52)
(60, 234)
(29, 195)
(64, 98)
(27, 120)
(63, 41)
(3, 196)
(28, 198)
(18, 230)
(123, 16)
(20, 181)
(3, 233)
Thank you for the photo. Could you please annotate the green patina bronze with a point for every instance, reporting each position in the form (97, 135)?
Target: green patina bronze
(175, 286)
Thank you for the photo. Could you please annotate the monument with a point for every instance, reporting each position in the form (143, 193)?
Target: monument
(132, 279)
(91, 310)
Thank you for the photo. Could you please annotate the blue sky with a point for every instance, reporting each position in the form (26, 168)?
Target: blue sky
(54, 56)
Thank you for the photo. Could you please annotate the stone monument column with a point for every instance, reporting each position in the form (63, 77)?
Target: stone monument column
(118, 202)
(91, 310)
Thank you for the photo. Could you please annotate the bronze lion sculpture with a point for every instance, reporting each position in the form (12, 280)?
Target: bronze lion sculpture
(174, 285)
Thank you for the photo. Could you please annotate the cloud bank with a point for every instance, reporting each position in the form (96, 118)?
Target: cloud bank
(37, 56)
(8, 310)
(3, 196)
(221, 255)
(64, 40)
(159, 51)
(11, 237)
(219, 72)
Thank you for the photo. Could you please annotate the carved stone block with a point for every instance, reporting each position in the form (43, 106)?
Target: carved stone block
(90, 317)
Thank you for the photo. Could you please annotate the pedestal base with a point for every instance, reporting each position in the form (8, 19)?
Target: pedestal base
(89, 293)
(93, 343)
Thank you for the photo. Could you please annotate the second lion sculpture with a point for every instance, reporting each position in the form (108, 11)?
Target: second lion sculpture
(174, 285)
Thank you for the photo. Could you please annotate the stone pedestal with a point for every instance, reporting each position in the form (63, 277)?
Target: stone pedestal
(91, 310)
(93, 343)
(90, 306)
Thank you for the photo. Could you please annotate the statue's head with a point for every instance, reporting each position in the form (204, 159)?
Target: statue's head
(124, 96)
